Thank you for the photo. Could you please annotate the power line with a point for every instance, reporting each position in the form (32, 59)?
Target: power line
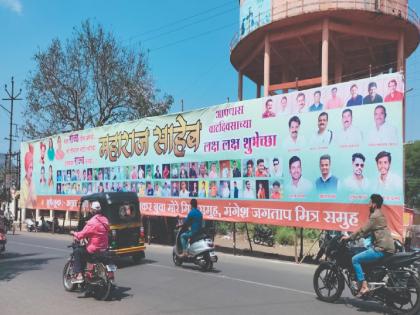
(184, 26)
(179, 21)
(191, 37)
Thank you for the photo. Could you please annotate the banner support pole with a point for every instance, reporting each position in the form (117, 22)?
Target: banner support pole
(247, 234)
(234, 238)
(295, 245)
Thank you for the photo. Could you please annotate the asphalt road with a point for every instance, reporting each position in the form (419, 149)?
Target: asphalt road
(30, 283)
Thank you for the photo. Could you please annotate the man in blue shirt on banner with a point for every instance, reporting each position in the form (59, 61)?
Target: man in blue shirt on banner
(326, 183)
(317, 105)
(194, 221)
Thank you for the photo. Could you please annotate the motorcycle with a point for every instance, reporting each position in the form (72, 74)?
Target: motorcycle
(263, 236)
(391, 280)
(3, 241)
(99, 275)
(328, 236)
(200, 251)
(9, 225)
(31, 226)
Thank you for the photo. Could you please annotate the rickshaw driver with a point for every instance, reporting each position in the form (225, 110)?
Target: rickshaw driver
(193, 220)
(96, 232)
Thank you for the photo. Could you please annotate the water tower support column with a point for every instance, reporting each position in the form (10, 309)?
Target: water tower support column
(325, 38)
(266, 64)
(401, 55)
(240, 85)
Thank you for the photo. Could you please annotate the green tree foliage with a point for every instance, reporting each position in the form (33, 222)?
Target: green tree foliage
(412, 174)
(87, 81)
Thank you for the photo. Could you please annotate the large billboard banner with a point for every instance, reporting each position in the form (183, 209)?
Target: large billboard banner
(307, 158)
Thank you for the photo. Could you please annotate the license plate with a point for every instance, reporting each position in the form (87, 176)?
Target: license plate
(111, 268)
(212, 254)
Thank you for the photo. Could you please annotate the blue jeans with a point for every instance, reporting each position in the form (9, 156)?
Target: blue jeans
(184, 239)
(364, 257)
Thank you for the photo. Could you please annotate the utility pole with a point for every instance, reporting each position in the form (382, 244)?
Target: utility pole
(11, 97)
(182, 105)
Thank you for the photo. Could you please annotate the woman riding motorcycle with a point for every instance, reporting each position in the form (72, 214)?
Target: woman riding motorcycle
(96, 232)
(382, 242)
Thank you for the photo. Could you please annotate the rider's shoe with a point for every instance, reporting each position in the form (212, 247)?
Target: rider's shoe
(77, 279)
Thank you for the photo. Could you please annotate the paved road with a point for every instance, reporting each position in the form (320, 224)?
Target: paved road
(30, 283)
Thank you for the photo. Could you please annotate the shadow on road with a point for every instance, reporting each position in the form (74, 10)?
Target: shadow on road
(197, 268)
(120, 293)
(364, 306)
(11, 269)
(12, 255)
(126, 262)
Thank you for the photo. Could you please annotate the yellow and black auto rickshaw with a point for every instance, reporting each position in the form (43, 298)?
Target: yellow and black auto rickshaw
(126, 235)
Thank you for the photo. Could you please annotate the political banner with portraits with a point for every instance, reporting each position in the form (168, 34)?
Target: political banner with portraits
(307, 158)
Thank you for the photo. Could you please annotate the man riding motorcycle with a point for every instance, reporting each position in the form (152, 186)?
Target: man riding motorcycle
(96, 232)
(194, 220)
(382, 241)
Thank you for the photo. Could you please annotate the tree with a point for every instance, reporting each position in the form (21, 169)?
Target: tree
(412, 174)
(89, 81)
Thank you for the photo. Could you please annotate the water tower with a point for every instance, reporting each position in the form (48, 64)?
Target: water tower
(289, 44)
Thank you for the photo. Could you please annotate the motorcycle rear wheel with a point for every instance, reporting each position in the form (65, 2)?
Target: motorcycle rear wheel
(208, 265)
(102, 291)
(67, 274)
(413, 287)
(256, 239)
(329, 280)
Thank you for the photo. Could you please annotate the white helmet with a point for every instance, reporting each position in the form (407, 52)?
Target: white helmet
(95, 206)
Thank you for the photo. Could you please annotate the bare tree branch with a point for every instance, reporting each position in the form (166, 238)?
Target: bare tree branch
(88, 81)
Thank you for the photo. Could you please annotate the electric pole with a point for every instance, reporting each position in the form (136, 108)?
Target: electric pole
(11, 97)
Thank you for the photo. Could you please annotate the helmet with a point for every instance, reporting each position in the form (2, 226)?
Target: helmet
(95, 207)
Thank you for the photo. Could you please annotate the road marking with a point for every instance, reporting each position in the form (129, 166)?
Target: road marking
(274, 261)
(40, 246)
(261, 284)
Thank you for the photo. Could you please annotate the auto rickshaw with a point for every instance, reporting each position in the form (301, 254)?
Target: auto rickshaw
(126, 235)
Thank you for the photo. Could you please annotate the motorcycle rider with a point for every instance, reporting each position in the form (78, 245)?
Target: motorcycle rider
(96, 232)
(382, 241)
(193, 220)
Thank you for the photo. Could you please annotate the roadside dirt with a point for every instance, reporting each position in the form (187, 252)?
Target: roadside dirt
(285, 252)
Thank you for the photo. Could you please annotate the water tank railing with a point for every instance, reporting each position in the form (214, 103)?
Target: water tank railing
(292, 8)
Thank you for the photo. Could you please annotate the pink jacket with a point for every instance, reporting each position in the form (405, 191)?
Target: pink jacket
(96, 231)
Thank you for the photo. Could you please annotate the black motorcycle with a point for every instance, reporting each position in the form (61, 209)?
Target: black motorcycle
(98, 275)
(263, 236)
(391, 280)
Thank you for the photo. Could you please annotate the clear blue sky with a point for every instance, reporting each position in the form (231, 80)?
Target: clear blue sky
(188, 59)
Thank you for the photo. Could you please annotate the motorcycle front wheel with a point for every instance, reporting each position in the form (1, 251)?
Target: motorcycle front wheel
(256, 239)
(407, 302)
(177, 260)
(328, 283)
(67, 274)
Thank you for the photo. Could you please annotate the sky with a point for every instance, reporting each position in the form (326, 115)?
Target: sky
(187, 43)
